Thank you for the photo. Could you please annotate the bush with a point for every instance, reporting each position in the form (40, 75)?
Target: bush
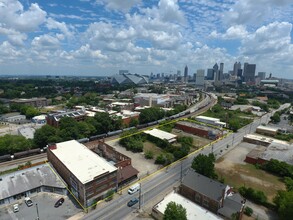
(149, 154)
(248, 211)
(160, 159)
(253, 195)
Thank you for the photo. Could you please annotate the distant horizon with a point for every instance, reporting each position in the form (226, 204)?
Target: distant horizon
(99, 37)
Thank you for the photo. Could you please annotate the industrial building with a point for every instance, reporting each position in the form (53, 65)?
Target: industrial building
(278, 150)
(27, 132)
(193, 211)
(257, 139)
(266, 130)
(163, 135)
(13, 117)
(88, 175)
(200, 130)
(211, 121)
(151, 99)
(24, 183)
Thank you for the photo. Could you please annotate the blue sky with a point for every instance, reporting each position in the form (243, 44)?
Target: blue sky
(99, 37)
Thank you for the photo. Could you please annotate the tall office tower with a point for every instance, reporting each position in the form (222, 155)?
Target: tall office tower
(210, 74)
(178, 73)
(221, 74)
(186, 73)
(199, 77)
(261, 75)
(123, 72)
(239, 73)
(163, 75)
(236, 67)
(249, 72)
(216, 72)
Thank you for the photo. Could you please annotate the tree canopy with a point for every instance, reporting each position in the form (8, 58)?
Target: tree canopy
(10, 144)
(175, 211)
(284, 203)
(204, 164)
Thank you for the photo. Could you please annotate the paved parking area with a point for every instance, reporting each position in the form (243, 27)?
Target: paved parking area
(45, 203)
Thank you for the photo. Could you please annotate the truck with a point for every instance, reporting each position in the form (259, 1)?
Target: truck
(134, 188)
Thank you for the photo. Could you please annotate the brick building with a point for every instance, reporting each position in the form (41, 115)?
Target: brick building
(88, 175)
(202, 131)
(212, 195)
(54, 119)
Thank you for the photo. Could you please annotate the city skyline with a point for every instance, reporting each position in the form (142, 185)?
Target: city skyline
(99, 37)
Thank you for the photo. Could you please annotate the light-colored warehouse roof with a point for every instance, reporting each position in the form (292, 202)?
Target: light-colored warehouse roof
(82, 162)
(208, 118)
(28, 179)
(267, 128)
(193, 211)
(163, 135)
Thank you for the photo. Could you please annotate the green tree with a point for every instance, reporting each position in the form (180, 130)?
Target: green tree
(10, 144)
(175, 211)
(284, 203)
(204, 164)
(42, 135)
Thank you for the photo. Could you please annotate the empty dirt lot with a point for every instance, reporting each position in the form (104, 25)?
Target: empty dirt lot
(237, 173)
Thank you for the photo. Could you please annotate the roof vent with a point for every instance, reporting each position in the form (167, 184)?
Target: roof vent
(0, 179)
(38, 168)
(22, 173)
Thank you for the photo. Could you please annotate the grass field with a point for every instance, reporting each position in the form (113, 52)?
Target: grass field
(248, 175)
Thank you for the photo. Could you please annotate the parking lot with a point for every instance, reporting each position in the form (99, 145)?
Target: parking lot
(45, 208)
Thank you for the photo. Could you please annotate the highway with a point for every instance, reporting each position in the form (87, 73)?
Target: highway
(153, 185)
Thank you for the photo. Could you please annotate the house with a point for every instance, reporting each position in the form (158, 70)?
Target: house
(217, 197)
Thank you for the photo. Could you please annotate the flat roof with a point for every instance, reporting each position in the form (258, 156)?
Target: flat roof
(207, 118)
(193, 210)
(194, 125)
(82, 162)
(28, 179)
(163, 135)
(267, 128)
(259, 138)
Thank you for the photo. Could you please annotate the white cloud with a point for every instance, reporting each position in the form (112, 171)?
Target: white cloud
(255, 12)
(119, 5)
(45, 42)
(13, 16)
(233, 32)
(53, 24)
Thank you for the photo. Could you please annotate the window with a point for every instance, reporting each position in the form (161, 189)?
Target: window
(197, 197)
(206, 202)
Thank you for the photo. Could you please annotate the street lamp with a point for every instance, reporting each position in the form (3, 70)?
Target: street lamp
(37, 211)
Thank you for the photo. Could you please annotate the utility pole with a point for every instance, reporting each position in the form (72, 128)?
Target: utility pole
(38, 217)
(139, 199)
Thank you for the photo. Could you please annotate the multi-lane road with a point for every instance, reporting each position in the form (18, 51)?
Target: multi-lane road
(152, 186)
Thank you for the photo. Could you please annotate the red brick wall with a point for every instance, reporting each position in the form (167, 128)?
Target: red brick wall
(192, 130)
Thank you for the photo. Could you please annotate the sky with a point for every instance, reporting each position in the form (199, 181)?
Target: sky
(100, 37)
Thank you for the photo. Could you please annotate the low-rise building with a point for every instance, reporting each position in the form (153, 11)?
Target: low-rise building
(27, 132)
(193, 211)
(88, 175)
(54, 119)
(257, 139)
(212, 195)
(35, 102)
(39, 119)
(211, 121)
(163, 135)
(200, 130)
(24, 183)
(266, 130)
(13, 117)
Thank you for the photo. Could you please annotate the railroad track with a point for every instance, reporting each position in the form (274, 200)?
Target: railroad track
(24, 160)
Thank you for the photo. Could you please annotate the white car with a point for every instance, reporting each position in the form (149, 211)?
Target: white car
(15, 208)
(28, 201)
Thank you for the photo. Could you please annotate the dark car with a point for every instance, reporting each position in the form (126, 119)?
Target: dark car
(59, 202)
(132, 202)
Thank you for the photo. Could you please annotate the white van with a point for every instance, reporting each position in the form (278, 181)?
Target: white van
(134, 188)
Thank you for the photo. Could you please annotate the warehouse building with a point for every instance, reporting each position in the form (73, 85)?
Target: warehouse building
(23, 183)
(211, 121)
(54, 119)
(88, 175)
(257, 139)
(35, 102)
(266, 130)
(199, 130)
(163, 135)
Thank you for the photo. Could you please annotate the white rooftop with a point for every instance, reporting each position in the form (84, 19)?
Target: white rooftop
(193, 211)
(267, 128)
(161, 134)
(207, 118)
(82, 162)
